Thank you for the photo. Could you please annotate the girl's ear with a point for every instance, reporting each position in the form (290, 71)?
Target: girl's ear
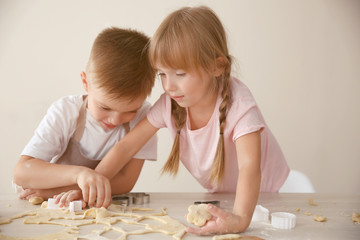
(84, 82)
(219, 66)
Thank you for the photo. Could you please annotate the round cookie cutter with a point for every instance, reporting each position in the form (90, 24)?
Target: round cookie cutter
(214, 202)
(137, 198)
(120, 200)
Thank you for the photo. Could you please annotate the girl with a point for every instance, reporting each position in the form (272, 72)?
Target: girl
(220, 134)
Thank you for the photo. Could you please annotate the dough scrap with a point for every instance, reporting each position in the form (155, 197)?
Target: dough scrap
(235, 237)
(356, 217)
(97, 213)
(198, 215)
(307, 213)
(320, 218)
(36, 200)
(73, 220)
(311, 202)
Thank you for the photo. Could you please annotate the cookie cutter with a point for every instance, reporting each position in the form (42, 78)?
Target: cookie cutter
(74, 206)
(283, 220)
(214, 202)
(120, 200)
(260, 214)
(137, 198)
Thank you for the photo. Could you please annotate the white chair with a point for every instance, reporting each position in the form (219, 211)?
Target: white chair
(297, 182)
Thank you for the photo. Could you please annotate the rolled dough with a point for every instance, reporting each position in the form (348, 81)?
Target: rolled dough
(162, 223)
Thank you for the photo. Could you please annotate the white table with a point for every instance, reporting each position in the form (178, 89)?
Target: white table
(337, 208)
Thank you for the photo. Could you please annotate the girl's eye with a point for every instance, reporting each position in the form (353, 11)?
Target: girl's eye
(180, 74)
(161, 75)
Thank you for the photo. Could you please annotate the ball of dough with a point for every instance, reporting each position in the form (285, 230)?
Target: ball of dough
(198, 215)
(36, 200)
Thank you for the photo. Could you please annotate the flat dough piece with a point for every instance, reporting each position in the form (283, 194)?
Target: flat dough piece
(72, 220)
(198, 215)
(235, 237)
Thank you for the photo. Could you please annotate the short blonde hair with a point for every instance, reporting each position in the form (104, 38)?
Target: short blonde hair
(194, 39)
(119, 63)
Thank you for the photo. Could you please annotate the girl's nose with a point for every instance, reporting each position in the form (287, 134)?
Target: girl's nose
(168, 84)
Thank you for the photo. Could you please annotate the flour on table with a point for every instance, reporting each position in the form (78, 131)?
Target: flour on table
(65, 234)
(235, 237)
(72, 221)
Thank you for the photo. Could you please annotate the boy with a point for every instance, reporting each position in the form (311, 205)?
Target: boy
(77, 131)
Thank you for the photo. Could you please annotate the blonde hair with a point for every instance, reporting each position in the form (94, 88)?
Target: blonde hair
(194, 39)
(119, 63)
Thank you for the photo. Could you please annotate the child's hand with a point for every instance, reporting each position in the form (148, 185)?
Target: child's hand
(94, 187)
(222, 223)
(65, 198)
(28, 193)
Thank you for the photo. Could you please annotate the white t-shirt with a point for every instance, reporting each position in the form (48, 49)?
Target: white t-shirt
(57, 127)
(198, 147)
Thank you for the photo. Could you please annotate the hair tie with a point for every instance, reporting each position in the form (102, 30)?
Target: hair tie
(178, 131)
(221, 133)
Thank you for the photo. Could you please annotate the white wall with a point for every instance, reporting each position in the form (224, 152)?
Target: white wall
(301, 59)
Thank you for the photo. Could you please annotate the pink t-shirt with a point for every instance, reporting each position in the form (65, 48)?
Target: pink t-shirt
(198, 147)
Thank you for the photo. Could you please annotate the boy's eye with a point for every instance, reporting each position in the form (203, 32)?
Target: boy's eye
(104, 108)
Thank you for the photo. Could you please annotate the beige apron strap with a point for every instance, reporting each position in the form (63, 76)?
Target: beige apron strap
(80, 126)
(127, 127)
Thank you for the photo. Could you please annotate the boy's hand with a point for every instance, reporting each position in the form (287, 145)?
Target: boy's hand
(95, 188)
(65, 198)
(28, 193)
(222, 222)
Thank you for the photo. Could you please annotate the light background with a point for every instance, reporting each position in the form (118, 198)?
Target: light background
(301, 60)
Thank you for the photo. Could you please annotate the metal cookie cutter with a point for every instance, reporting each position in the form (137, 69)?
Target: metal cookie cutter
(138, 198)
(120, 200)
(214, 202)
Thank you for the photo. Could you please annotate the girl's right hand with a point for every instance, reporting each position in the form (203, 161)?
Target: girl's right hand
(222, 222)
(94, 187)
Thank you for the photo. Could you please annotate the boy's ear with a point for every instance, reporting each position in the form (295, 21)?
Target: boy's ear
(220, 66)
(84, 82)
